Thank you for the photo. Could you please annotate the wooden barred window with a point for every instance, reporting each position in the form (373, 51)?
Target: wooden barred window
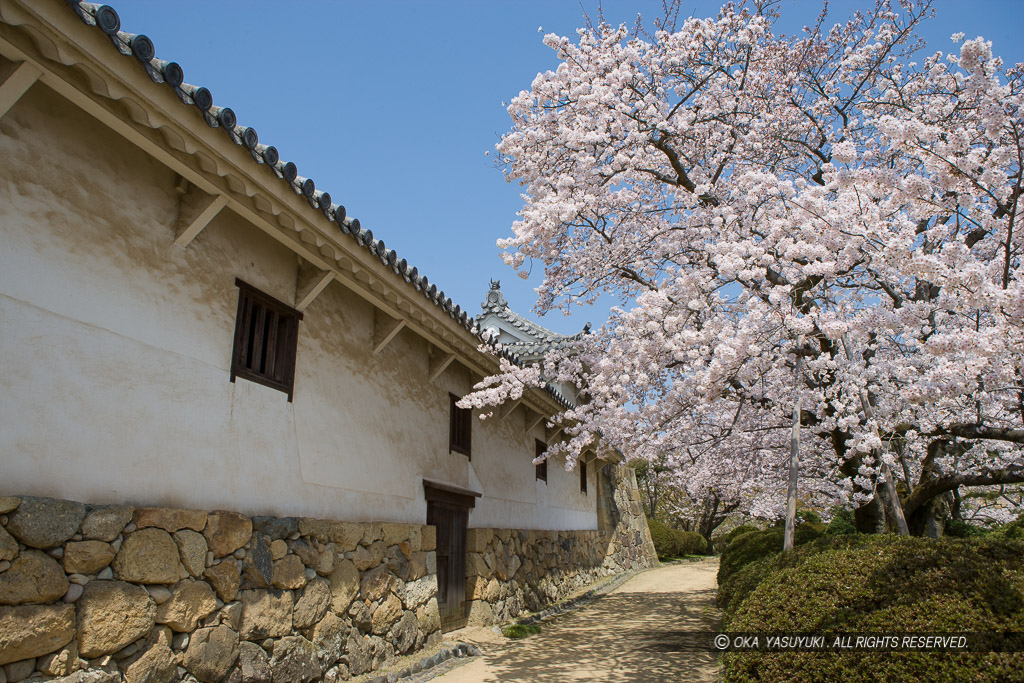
(266, 337)
(460, 431)
(542, 467)
(583, 477)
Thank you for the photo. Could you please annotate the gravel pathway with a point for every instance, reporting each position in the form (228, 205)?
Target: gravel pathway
(634, 633)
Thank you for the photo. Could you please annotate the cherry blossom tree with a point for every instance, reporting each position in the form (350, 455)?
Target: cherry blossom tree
(739, 190)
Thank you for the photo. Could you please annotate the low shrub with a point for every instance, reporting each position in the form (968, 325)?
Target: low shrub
(880, 584)
(739, 531)
(842, 523)
(669, 542)
(755, 545)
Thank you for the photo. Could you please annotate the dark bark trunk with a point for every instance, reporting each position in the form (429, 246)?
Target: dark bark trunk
(930, 519)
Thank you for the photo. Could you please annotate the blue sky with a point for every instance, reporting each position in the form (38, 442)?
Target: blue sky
(391, 105)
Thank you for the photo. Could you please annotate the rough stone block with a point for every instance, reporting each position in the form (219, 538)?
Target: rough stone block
(148, 556)
(191, 602)
(480, 613)
(266, 614)
(312, 605)
(345, 534)
(193, 549)
(394, 533)
(156, 664)
(225, 579)
(111, 615)
(107, 522)
(428, 539)
(226, 532)
(294, 661)
(276, 527)
(386, 614)
(86, 557)
(170, 519)
(211, 653)
(28, 631)
(61, 662)
(33, 577)
(8, 546)
(289, 573)
(344, 582)
(254, 663)
(45, 522)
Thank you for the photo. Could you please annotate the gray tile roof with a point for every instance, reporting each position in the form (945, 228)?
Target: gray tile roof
(169, 73)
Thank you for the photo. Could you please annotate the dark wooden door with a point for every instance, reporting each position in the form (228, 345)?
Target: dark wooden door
(451, 521)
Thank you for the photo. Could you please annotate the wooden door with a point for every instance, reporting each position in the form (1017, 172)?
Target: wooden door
(451, 521)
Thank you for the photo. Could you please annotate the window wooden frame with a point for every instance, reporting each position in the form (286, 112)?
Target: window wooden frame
(460, 428)
(583, 476)
(542, 467)
(266, 340)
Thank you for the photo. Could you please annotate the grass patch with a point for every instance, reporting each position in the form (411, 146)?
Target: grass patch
(520, 630)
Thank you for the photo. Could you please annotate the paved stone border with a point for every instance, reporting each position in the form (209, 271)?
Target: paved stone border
(428, 667)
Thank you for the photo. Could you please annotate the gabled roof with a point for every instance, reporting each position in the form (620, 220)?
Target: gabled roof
(532, 339)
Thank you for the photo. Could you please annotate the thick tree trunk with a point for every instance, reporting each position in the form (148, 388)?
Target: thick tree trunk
(887, 487)
(870, 517)
(930, 519)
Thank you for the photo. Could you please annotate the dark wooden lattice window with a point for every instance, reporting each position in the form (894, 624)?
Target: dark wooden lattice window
(266, 336)
(542, 467)
(583, 477)
(460, 432)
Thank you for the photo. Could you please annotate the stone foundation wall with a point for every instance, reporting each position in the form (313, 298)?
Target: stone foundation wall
(509, 572)
(621, 519)
(111, 593)
(512, 571)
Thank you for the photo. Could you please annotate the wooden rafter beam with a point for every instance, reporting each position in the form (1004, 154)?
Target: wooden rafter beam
(309, 282)
(195, 211)
(438, 362)
(385, 328)
(16, 83)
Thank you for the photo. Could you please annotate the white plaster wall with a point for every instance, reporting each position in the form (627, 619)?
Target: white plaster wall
(115, 348)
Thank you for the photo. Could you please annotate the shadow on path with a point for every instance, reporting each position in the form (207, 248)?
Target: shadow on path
(639, 632)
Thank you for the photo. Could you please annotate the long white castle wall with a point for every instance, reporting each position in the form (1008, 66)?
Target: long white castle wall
(115, 348)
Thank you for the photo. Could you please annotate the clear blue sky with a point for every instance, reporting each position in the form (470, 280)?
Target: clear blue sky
(390, 105)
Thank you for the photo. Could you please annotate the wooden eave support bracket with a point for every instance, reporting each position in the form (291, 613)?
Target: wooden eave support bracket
(533, 418)
(550, 434)
(385, 328)
(15, 82)
(195, 211)
(437, 362)
(509, 408)
(309, 282)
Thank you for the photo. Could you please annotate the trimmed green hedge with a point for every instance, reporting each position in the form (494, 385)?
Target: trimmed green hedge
(755, 545)
(879, 584)
(669, 542)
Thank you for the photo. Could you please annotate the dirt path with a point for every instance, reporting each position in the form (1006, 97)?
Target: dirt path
(632, 634)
